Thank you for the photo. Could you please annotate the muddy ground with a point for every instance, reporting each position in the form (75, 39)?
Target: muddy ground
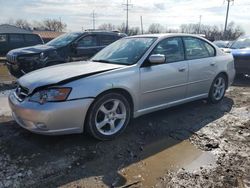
(192, 145)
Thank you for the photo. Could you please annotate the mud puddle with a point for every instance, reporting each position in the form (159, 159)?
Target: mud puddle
(152, 167)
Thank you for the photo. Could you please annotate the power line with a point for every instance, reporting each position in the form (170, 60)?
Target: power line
(199, 28)
(228, 5)
(127, 6)
(93, 17)
(141, 26)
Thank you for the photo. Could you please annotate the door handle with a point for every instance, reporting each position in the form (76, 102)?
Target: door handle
(212, 64)
(182, 69)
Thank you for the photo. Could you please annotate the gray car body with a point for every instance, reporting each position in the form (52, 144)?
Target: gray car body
(150, 88)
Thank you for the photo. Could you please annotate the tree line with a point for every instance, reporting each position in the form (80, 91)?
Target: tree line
(45, 25)
(212, 32)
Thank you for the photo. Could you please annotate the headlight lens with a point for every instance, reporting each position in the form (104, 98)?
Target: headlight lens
(51, 95)
(43, 56)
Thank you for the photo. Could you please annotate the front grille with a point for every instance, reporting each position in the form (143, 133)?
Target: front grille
(21, 93)
(12, 58)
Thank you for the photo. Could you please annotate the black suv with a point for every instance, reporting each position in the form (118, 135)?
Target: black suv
(68, 47)
(10, 41)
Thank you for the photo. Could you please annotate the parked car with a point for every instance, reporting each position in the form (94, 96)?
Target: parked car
(222, 43)
(131, 77)
(10, 41)
(240, 50)
(69, 47)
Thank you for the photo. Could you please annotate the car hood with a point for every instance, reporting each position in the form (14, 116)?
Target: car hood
(31, 50)
(63, 73)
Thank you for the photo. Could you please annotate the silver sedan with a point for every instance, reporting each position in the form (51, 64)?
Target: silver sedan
(131, 77)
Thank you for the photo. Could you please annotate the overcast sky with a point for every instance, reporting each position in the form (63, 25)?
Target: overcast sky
(170, 13)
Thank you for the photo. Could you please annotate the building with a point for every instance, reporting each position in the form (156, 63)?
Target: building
(47, 35)
(6, 28)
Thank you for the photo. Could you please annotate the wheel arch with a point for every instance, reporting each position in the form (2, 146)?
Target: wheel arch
(121, 91)
(226, 75)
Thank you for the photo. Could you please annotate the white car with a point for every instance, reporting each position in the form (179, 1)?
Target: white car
(131, 77)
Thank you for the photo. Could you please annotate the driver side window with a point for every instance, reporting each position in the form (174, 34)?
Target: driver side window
(172, 48)
(88, 41)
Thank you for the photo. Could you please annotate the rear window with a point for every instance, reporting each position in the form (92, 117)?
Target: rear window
(16, 38)
(107, 39)
(32, 38)
(3, 38)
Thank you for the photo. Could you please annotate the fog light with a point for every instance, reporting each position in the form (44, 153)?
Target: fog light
(41, 126)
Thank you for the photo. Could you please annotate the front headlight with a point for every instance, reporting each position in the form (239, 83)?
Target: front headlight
(50, 95)
(43, 56)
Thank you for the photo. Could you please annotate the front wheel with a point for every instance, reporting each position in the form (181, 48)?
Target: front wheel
(218, 89)
(108, 116)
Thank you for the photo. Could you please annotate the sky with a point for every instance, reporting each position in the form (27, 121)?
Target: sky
(77, 14)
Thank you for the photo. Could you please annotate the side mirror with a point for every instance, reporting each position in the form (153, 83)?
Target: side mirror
(73, 45)
(157, 59)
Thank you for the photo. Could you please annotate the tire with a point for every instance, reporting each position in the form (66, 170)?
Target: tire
(108, 116)
(217, 89)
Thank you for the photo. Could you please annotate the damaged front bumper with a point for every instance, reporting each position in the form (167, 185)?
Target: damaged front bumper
(52, 118)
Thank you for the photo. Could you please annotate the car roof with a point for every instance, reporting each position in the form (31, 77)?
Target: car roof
(100, 32)
(164, 35)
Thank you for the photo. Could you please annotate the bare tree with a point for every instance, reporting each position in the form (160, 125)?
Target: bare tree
(131, 30)
(21, 23)
(24, 24)
(54, 25)
(122, 28)
(155, 28)
(107, 27)
(214, 32)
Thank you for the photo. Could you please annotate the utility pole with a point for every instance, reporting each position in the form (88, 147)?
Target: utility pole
(228, 5)
(127, 5)
(141, 26)
(199, 28)
(93, 17)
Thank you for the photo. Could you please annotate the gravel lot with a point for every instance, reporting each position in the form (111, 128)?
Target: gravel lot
(192, 145)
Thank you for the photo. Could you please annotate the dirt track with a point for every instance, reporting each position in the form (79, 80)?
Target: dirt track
(192, 145)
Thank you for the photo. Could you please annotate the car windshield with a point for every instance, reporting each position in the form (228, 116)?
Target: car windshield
(125, 51)
(63, 40)
(241, 43)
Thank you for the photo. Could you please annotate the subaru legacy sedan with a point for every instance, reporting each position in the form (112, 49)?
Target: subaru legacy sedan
(131, 77)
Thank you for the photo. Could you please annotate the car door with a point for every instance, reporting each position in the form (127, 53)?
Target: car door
(16, 41)
(164, 83)
(202, 65)
(86, 47)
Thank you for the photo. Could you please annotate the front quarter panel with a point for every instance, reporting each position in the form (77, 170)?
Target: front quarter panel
(90, 87)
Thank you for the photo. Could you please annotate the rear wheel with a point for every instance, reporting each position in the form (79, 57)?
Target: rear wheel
(218, 89)
(108, 116)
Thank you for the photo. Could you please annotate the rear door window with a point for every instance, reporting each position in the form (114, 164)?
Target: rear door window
(88, 41)
(196, 48)
(32, 39)
(16, 38)
(3, 38)
(106, 39)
